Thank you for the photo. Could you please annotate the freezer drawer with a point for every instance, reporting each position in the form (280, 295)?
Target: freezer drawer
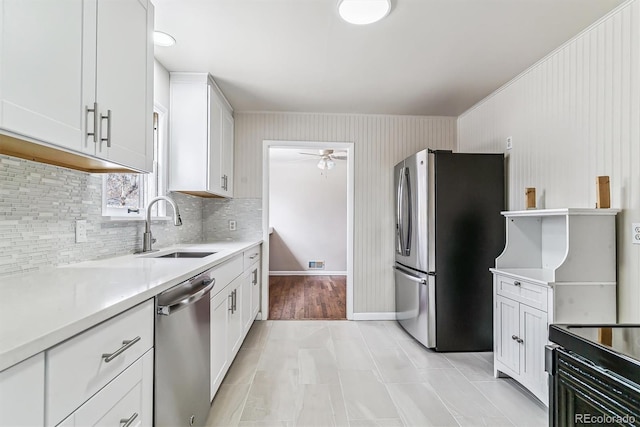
(415, 305)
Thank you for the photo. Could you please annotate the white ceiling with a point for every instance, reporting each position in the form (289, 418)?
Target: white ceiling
(428, 57)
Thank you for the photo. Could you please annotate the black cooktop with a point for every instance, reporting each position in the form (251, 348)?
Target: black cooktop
(612, 347)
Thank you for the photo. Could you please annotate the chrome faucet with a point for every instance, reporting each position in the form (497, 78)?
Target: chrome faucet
(147, 240)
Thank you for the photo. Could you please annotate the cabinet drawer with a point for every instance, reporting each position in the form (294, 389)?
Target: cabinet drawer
(525, 292)
(226, 272)
(250, 256)
(76, 369)
(128, 397)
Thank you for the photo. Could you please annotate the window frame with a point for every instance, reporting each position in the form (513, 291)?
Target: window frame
(159, 175)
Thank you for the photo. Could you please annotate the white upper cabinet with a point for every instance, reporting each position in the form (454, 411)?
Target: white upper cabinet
(201, 143)
(41, 70)
(60, 61)
(119, 49)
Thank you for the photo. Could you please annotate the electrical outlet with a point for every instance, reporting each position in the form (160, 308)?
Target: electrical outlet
(232, 225)
(81, 231)
(635, 233)
(509, 143)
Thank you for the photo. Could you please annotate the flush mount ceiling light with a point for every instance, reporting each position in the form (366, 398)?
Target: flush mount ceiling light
(362, 12)
(163, 39)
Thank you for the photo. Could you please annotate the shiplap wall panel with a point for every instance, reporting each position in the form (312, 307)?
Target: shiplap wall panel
(380, 142)
(573, 116)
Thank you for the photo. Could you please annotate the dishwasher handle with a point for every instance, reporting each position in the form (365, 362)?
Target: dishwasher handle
(173, 306)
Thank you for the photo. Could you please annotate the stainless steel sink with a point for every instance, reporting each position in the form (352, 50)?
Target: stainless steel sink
(185, 255)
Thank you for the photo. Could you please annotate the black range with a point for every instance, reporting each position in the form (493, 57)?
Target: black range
(595, 375)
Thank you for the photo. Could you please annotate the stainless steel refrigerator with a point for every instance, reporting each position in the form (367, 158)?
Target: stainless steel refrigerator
(448, 233)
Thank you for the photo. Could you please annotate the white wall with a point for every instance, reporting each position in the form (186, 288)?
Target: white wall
(160, 85)
(308, 211)
(573, 116)
(379, 143)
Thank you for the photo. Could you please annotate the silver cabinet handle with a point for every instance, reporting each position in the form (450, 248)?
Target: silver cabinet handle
(516, 283)
(128, 421)
(235, 300)
(255, 277)
(519, 340)
(231, 302)
(254, 255)
(513, 337)
(94, 110)
(108, 138)
(108, 357)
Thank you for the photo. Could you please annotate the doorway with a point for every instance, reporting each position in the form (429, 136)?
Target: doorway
(308, 230)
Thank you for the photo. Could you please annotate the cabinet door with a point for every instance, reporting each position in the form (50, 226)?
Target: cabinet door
(128, 397)
(255, 289)
(40, 78)
(22, 393)
(226, 152)
(214, 178)
(220, 360)
(235, 334)
(124, 82)
(247, 293)
(508, 327)
(533, 330)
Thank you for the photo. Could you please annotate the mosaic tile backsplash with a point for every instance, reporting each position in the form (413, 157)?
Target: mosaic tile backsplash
(40, 203)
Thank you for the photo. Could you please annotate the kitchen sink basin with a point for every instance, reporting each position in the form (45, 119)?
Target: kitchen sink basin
(185, 255)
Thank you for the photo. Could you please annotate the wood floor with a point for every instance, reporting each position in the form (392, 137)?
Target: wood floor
(307, 297)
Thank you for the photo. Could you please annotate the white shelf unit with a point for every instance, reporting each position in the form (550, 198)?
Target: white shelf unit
(558, 266)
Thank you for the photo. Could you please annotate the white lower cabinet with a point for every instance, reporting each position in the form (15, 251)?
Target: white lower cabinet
(520, 340)
(79, 367)
(234, 307)
(235, 332)
(21, 393)
(251, 295)
(219, 351)
(127, 400)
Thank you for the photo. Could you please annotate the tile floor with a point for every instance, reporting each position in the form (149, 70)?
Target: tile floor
(341, 373)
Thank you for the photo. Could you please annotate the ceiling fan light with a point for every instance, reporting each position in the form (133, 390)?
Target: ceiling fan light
(362, 12)
(322, 164)
(163, 39)
(330, 164)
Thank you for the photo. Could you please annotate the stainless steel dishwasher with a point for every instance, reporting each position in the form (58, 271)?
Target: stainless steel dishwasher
(182, 347)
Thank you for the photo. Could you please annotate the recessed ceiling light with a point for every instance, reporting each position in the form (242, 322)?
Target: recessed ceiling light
(361, 12)
(163, 39)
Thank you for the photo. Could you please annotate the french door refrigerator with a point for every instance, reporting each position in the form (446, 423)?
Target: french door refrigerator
(449, 231)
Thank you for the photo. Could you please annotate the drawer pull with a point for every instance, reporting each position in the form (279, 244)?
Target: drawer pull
(517, 284)
(253, 256)
(108, 357)
(128, 421)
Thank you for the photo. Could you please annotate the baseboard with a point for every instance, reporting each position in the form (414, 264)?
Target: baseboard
(308, 273)
(389, 315)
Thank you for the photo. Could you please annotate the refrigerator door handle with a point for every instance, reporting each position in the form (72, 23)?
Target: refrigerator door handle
(411, 276)
(399, 214)
(407, 241)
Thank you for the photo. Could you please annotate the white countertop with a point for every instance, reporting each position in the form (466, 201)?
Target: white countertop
(39, 310)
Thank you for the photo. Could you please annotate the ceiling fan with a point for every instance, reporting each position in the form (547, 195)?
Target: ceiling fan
(328, 157)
